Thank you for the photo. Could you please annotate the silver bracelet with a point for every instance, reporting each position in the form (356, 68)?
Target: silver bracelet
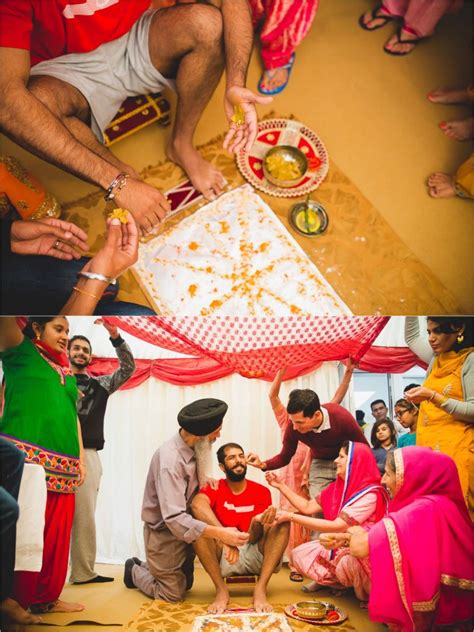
(116, 185)
(97, 277)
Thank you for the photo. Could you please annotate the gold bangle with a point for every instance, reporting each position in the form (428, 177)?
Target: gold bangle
(77, 289)
(432, 396)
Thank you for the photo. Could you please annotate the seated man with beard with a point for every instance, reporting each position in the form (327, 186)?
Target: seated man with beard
(169, 529)
(245, 505)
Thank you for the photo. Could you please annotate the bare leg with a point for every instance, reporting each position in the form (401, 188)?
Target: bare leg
(441, 185)
(68, 104)
(186, 43)
(209, 553)
(272, 545)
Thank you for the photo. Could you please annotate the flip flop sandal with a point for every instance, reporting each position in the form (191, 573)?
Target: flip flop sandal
(296, 577)
(386, 19)
(288, 67)
(399, 40)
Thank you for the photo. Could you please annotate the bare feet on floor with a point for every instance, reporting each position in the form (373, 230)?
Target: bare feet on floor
(12, 611)
(441, 185)
(204, 176)
(311, 587)
(219, 604)
(260, 602)
(449, 95)
(273, 78)
(459, 130)
(66, 606)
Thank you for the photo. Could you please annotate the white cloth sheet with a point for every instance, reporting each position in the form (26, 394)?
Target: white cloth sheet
(30, 525)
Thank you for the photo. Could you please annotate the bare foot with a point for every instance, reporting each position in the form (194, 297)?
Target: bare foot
(394, 45)
(459, 130)
(204, 176)
(364, 605)
(219, 604)
(273, 78)
(11, 610)
(449, 95)
(66, 606)
(311, 587)
(260, 602)
(441, 185)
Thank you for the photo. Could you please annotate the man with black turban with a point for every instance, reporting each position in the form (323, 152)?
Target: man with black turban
(169, 528)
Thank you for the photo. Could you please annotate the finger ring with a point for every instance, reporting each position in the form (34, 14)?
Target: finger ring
(56, 244)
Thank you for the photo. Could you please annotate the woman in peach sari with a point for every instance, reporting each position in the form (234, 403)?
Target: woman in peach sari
(421, 553)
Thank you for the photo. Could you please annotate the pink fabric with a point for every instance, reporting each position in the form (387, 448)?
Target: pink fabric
(340, 569)
(362, 477)
(421, 16)
(435, 538)
(258, 347)
(284, 24)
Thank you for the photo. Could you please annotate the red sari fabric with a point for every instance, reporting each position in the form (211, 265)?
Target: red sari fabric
(421, 554)
(46, 586)
(362, 477)
(284, 24)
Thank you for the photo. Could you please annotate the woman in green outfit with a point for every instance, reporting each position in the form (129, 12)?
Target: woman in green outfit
(40, 418)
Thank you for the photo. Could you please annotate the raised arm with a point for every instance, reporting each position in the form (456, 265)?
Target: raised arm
(344, 385)
(124, 354)
(10, 334)
(420, 347)
(274, 393)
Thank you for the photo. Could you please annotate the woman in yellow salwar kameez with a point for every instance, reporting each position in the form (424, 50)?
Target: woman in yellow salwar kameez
(446, 398)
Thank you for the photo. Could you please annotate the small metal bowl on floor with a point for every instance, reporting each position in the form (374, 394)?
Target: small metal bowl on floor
(284, 166)
(308, 218)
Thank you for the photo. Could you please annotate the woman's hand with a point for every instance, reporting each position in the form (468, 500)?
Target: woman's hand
(283, 516)
(274, 480)
(359, 542)
(419, 394)
(120, 250)
(49, 237)
(267, 516)
(242, 137)
(334, 540)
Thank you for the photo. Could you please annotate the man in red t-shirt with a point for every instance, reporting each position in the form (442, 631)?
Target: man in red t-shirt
(67, 65)
(246, 505)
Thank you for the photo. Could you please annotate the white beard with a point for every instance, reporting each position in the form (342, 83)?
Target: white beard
(203, 452)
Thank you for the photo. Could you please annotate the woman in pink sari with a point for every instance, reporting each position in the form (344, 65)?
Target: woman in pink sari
(418, 19)
(356, 497)
(421, 555)
(283, 24)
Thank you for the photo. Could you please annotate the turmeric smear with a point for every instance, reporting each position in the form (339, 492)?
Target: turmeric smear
(193, 246)
(263, 247)
(224, 227)
(215, 304)
(209, 269)
(192, 290)
(294, 309)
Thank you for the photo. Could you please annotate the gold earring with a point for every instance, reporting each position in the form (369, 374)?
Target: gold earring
(460, 338)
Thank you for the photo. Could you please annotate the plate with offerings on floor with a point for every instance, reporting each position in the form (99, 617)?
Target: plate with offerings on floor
(244, 621)
(316, 612)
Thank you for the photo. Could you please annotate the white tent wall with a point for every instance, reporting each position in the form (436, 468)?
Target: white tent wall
(141, 419)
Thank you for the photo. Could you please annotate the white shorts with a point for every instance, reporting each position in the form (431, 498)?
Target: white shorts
(109, 74)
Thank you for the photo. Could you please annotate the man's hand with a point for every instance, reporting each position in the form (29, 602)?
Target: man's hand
(50, 237)
(119, 252)
(274, 480)
(267, 516)
(112, 329)
(233, 537)
(148, 206)
(231, 554)
(212, 482)
(253, 459)
(242, 137)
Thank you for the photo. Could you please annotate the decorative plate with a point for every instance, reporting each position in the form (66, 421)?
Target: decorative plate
(274, 132)
(290, 611)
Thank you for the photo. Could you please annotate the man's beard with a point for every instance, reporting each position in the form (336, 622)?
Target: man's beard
(233, 476)
(203, 453)
(80, 365)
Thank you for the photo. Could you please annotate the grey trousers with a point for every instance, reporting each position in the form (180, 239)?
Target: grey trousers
(83, 538)
(321, 474)
(169, 569)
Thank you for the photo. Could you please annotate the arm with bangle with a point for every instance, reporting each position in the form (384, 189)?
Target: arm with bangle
(462, 410)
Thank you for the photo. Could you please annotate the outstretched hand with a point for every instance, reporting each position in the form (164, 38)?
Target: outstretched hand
(242, 137)
(273, 480)
(50, 237)
(120, 250)
(267, 516)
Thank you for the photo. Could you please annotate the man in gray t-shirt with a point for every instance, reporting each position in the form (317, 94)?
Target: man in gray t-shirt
(169, 527)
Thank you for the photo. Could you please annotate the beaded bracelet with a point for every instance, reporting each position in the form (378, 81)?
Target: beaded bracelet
(116, 185)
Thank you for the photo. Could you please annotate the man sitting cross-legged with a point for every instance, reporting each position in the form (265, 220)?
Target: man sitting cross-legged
(244, 504)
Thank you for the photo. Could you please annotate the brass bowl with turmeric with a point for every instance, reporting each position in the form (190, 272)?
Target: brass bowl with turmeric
(311, 609)
(285, 166)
